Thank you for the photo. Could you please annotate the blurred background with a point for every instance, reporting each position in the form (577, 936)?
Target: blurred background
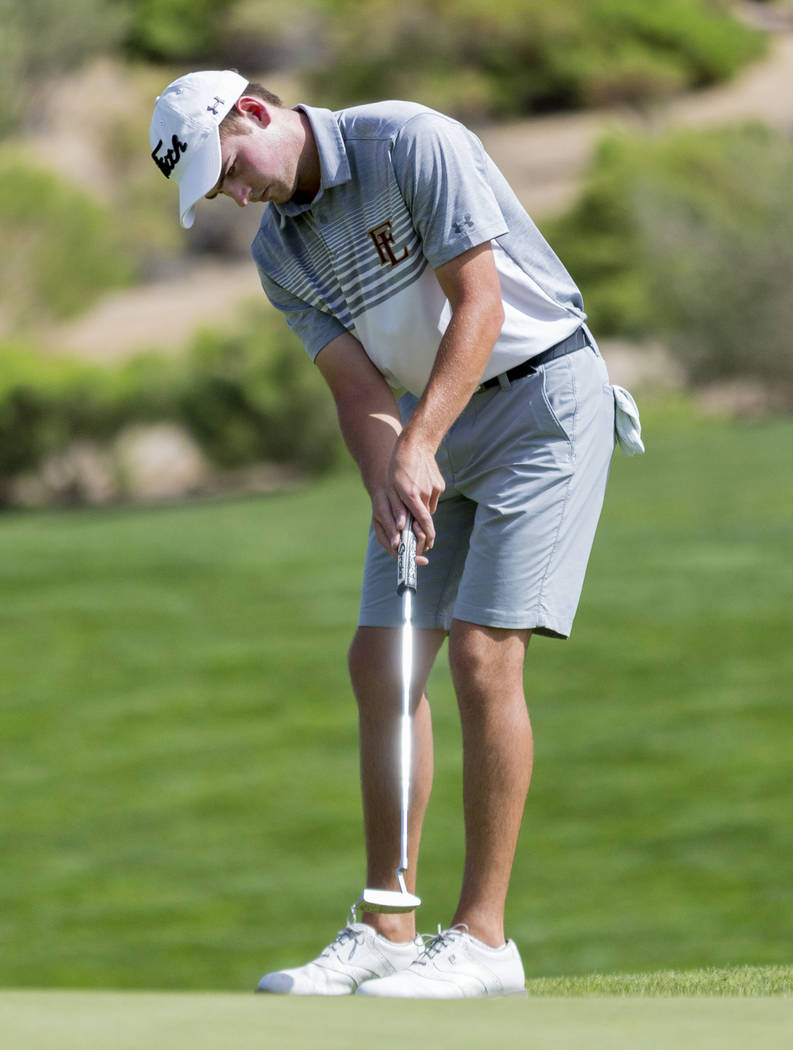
(180, 526)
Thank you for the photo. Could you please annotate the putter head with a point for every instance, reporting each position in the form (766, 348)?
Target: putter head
(387, 901)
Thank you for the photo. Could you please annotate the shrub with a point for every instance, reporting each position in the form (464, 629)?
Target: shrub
(471, 57)
(248, 396)
(61, 249)
(253, 394)
(598, 237)
(45, 38)
(521, 56)
(719, 259)
(46, 402)
(174, 30)
(690, 235)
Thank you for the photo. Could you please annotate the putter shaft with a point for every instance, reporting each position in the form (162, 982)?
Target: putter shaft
(406, 728)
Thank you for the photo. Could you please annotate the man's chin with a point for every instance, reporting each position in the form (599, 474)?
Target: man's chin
(273, 197)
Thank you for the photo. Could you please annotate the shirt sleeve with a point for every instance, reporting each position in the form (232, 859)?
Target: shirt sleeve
(314, 328)
(442, 171)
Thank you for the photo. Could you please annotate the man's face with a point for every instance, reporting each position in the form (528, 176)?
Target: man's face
(259, 164)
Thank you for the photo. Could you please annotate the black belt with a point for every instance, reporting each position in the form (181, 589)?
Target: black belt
(577, 341)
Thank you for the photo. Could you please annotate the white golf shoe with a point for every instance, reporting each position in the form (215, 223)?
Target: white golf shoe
(358, 955)
(455, 965)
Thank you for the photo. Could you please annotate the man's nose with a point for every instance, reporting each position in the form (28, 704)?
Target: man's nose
(239, 194)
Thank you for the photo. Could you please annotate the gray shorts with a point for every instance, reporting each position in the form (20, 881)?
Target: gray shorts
(525, 470)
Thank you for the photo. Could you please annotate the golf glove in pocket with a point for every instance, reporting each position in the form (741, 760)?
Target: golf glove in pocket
(628, 426)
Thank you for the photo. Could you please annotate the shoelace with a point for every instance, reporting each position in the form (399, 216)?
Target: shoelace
(440, 942)
(342, 937)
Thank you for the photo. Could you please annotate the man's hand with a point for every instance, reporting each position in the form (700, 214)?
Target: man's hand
(384, 518)
(415, 485)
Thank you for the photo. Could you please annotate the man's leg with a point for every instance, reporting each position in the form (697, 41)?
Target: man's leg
(386, 944)
(487, 670)
(375, 671)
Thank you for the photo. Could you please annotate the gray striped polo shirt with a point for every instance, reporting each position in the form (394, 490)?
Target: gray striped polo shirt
(403, 190)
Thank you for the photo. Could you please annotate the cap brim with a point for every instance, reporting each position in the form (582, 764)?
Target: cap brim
(199, 178)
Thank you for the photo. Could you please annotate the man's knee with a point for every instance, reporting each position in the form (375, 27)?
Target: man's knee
(374, 661)
(363, 657)
(483, 659)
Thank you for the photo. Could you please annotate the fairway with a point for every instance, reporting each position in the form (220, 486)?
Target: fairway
(129, 1021)
(178, 739)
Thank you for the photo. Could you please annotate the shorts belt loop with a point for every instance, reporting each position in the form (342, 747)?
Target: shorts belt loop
(588, 333)
(503, 381)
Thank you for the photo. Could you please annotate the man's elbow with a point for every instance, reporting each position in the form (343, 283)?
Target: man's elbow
(493, 318)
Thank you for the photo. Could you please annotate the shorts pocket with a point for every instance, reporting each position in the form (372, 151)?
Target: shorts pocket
(559, 396)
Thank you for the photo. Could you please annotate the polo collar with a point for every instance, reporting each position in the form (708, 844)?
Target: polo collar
(334, 165)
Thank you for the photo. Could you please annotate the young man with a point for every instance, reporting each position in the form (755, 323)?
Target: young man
(401, 257)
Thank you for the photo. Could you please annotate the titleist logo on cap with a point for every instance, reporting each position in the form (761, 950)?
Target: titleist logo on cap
(168, 160)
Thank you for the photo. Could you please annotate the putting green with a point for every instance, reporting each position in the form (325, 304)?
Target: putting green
(31, 1020)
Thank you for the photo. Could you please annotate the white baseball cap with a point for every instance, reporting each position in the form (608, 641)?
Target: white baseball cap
(184, 136)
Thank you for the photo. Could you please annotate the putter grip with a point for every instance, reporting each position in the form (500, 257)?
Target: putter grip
(406, 559)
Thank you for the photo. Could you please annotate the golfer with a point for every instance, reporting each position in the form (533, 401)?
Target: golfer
(472, 397)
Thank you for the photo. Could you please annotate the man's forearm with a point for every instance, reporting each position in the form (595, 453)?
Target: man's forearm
(471, 284)
(462, 356)
(370, 424)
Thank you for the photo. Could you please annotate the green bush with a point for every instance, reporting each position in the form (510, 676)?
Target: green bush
(483, 60)
(46, 402)
(690, 235)
(253, 394)
(598, 237)
(472, 57)
(175, 30)
(61, 250)
(246, 397)
(719, 259)
(41, 39)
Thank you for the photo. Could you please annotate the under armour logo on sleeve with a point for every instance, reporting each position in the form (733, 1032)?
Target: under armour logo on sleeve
(459, 227)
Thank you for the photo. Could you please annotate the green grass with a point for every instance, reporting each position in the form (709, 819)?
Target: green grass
(177, 739)
(734, 982)
(160, 1021)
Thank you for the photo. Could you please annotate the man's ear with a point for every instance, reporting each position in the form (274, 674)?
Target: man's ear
(254, 108)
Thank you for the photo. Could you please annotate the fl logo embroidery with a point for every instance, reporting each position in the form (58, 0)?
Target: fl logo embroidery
(383, 239)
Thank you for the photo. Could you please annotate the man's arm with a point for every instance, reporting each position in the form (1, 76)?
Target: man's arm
(370, 424)
(470, 283)
(398, 466)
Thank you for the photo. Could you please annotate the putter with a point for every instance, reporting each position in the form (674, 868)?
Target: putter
(374, 900)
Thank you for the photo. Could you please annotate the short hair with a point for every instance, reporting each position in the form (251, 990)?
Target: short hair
(235, 122)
